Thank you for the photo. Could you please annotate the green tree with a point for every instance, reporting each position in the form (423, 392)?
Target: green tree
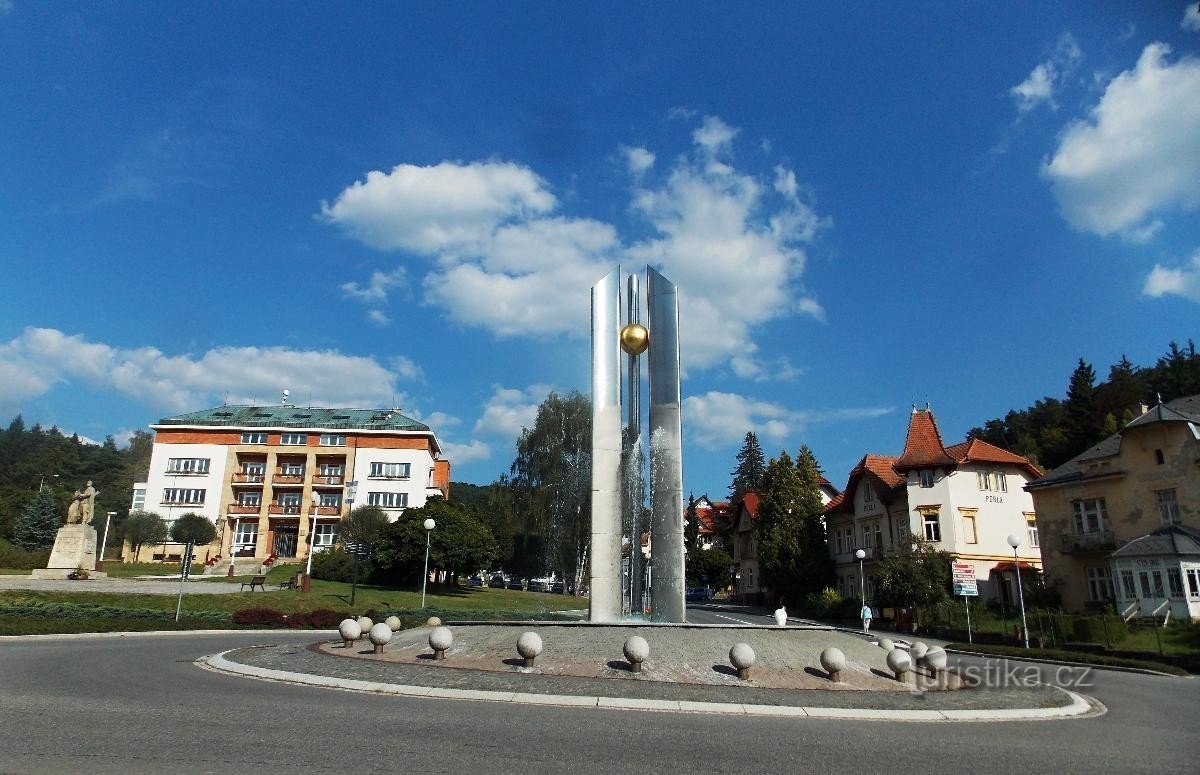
(917, 578)
(1177, 373)
(708, 567)
(691, 526)
(38, 524)
(751, 468)
(193, 528)
(551, 480)
(1083, 425)
(459, 543)
(792, 555)
(144, 528)
(363, 525)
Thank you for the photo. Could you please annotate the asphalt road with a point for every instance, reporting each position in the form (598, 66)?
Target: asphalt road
(141, 705)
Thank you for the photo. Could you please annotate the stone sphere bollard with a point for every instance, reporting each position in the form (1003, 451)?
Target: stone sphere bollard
(350, 632)
(433, 621)
(365, 623)
(393, 622)
(935, 660)
(637, 651)
(918, 650)
(834, 662)
(380, 634)
(886, 644)
(899, 663)
(741, 656)
(440, 640)
(529, 646)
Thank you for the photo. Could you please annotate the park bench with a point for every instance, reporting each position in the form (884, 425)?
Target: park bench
(290, 582)
(256, 581)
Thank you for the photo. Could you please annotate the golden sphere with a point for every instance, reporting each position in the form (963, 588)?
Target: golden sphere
(635, 339)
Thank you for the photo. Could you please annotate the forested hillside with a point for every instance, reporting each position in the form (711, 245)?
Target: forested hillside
(1054, 430)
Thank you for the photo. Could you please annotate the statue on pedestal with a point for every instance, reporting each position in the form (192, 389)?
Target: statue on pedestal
(83, 506)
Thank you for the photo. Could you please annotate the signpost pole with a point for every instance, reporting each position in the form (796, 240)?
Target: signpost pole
(967, 603)
(185, 568)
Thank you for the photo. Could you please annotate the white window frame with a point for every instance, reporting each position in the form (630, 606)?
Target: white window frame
(1168, 506)
(932, 520)
(1128, 585)
(1099, 581)
(253, 468)
(254, 437)
(246, 534)
(331, 469)
(249, 498)
(868, 492)
(324, 534)
(384, 470)
(1193, 582)
(878, 537)
(1000, 481)
(866, 535)
(837, 536)
(926, 477)
(388, 500)
(1031, 531)
(1087, 511)
(188, 465)
(287, 498)
(330, 500)
(983, 481)
(291, 469)
(293, 439)
(332, 440)
(184, 496)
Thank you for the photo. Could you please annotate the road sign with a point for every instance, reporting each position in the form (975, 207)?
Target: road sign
(964, 588)
(963, 575)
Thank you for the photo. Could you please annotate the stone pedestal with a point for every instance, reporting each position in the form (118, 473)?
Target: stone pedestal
(74, 547)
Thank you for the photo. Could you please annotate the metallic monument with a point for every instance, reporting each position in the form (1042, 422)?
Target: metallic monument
(617, 448)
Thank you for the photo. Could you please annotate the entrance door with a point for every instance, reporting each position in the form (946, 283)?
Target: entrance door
(285, 541)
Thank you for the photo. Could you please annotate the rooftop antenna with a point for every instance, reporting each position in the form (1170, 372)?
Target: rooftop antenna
(286, 393)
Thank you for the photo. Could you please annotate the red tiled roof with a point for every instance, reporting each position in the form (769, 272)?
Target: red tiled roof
(923, 447)
(750, 501)
(711, 517)
(979, 451)
(879, 467)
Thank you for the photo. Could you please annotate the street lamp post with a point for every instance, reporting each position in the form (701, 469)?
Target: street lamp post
(42, 483)
(1014, 542)
(429, 525)
(104, 541)
(312, 528)
(862, 587)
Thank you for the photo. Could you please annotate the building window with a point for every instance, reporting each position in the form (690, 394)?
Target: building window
(325, 534)
(1158, 457)
(288, 499)
(1193, 576)
(1127, 586)
(291, 469)
(1175, 581)
(927, 478)
(849, 539)
(247, 534)
(388, 500)
(1099, 584)
(1090, 515)
(332, 440)
(903, 530)
(331, 469)
(866, 531)
(389, 470)
(837, 535)
(1168, 506)
(139, 499)
(254, 438)
(251, 470)
(868, 492)
(187, 465)
(331, 499)
(1032, 531)
(969, 534)
(293, 439)
(999, 481)
(933, 528)
(878, 536)
(249, 498)
(982, 480)
(183, 497)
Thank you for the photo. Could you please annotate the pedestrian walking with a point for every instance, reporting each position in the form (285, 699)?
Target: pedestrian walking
(866, 617)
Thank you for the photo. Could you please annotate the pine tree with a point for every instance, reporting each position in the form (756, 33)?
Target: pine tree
(38, 524)
(1083, 426)
(751, 468)
(793, 557)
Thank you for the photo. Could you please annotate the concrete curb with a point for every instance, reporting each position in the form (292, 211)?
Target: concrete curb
(1079, 705)
(158, 633)
(1065, 663)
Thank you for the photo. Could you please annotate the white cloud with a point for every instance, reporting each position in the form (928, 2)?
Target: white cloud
(6, 7)
(406, 368)
(376, 289)
(746, 366)
(35, 362)
(1191, 17)
(509, 411)
(471, 452)
(1039, 87)
(1138, 153)
(1184, 281)
(716, 419)
(448, 206)
(714, 135)
(378, 317)
(506, 262)
(638, 160)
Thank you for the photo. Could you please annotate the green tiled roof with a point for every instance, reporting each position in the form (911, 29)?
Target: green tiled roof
(298, 417)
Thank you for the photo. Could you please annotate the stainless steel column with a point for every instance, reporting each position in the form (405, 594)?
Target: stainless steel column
(666, 452)
(633, 452)
(605, 602)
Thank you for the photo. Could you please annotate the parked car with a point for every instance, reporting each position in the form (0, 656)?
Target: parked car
(515, 584)
(496, 582)
(698, 594)
(539, 585)
(475, 581)
(558, 587)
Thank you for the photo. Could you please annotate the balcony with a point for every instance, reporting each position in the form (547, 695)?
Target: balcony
(282, 478)
(248, 478)
(327, 511)
(284, 508)
(241, 508)
(328, 480)
(1087, 543)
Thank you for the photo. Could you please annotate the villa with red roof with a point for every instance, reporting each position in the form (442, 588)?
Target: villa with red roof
(965, 499)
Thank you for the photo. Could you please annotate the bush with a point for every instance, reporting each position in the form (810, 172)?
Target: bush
(338, 565)
(262, 616)
(819, 604)
(325, 618)
(22, 559)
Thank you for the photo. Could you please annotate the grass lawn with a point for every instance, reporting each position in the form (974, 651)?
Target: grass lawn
(30, 611)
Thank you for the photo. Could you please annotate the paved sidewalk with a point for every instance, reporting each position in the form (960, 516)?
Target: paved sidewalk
(136, 586)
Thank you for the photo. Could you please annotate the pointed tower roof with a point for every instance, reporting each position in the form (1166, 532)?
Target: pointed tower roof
(923, 448)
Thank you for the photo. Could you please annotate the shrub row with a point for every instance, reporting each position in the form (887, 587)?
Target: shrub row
(320, 618)
(22, 559)
(73, 611)
(1084, 657)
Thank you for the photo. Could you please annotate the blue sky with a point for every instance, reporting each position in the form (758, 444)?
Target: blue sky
(865, 205)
